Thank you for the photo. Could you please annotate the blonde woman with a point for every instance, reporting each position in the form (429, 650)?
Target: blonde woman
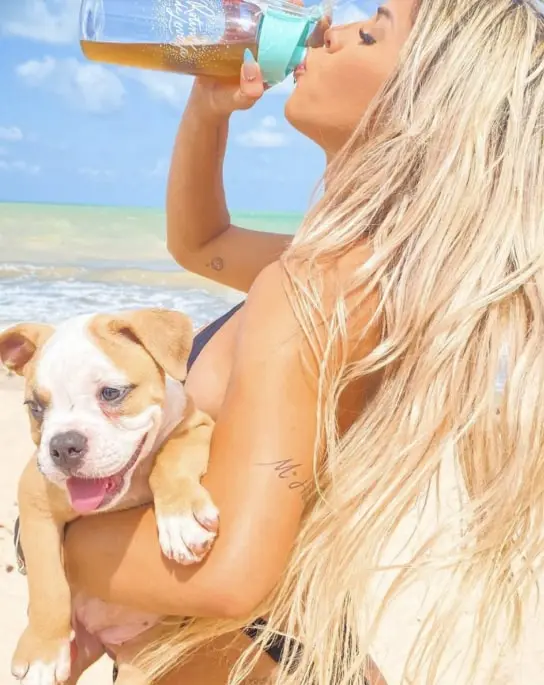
(394, 347)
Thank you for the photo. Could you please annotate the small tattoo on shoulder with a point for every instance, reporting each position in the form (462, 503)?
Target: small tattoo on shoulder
(288, 469)
(217, 264)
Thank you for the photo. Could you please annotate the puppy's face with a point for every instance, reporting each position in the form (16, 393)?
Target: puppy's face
(95, 390)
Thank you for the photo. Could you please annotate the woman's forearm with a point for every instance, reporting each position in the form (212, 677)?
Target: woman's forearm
(196, 206)
(116, 557)
(200, 236)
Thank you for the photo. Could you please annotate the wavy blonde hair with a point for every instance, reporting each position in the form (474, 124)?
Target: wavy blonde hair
(444, 180)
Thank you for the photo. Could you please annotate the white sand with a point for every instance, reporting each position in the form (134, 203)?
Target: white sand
(15, 449)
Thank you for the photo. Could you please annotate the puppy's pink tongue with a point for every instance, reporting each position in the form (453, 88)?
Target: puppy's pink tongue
(87, 494)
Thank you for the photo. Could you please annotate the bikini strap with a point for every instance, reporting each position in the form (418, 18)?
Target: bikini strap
(206, 334)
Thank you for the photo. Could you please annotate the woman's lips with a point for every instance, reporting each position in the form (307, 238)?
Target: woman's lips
(300, 70)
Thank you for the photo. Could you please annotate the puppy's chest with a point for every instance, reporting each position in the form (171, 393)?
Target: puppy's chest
(139, 491)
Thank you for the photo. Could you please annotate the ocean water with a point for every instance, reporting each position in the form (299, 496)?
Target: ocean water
(57, 261)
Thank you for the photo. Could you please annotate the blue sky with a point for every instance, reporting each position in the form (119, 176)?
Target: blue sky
(72, 131)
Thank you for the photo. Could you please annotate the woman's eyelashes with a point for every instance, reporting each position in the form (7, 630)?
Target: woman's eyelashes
(366, 38)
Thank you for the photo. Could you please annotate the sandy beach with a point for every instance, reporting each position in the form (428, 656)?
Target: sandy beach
(16, 448)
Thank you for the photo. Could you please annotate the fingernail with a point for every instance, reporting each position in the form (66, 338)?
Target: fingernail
(248, 57)
(250, 68)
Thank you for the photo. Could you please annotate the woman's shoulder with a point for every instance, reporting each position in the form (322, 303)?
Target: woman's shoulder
(334, 277)
(273, 320)
(273, 297)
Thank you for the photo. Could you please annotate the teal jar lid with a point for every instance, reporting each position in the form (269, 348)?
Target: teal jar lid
(282, 42)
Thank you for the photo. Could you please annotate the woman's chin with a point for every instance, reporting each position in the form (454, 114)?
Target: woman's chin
(297, 115)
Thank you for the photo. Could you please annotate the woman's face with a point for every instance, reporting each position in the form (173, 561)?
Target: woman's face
(339, 80)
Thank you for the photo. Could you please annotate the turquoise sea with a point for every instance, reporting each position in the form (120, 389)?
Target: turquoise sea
(57, 261)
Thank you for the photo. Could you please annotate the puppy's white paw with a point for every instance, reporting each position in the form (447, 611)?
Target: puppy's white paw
(44, 662)
(42, 674)
(182, 538)
(187, 520)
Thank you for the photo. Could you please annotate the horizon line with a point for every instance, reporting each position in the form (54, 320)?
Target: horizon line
(141, 207)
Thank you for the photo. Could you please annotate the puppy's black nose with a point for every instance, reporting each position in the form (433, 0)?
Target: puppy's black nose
(68, 449)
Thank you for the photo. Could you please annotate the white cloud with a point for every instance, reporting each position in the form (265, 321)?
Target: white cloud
(286, 87)
(264, 135)
(26, 168)
(269, 122)
(97, 174)
(349, 13)
(160, 169)
(91, 87)
(168, 87)
(11, 133)
(47, 21)
(20, 166)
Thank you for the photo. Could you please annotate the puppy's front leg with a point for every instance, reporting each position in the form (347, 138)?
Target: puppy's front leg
(187, 518)
(43, 652)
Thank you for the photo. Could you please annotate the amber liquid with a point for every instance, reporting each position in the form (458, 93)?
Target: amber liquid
(218, 60)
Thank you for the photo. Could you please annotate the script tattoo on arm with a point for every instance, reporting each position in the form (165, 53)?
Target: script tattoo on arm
(287, 469)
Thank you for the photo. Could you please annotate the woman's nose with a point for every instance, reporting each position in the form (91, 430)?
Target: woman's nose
(331, 39)
(317, 37)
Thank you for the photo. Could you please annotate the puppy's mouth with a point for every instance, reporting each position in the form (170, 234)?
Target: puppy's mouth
(89, 494)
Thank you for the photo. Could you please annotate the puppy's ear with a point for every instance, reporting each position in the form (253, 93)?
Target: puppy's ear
(166, 335)
(19, 344)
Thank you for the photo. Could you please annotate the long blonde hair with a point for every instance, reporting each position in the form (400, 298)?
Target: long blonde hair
(444, 179)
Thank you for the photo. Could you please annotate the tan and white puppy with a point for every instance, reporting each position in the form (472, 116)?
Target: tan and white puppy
(114, 428)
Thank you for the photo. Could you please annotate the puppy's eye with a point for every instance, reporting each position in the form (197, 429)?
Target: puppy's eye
(36, 409)
(111, 395)
(366, 38)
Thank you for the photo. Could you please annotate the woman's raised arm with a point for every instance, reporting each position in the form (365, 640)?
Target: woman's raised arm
(200, 235)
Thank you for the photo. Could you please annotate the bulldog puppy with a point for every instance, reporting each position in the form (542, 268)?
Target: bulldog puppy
(114, 428)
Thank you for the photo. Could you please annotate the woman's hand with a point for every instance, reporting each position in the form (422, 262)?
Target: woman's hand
(220, 99)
